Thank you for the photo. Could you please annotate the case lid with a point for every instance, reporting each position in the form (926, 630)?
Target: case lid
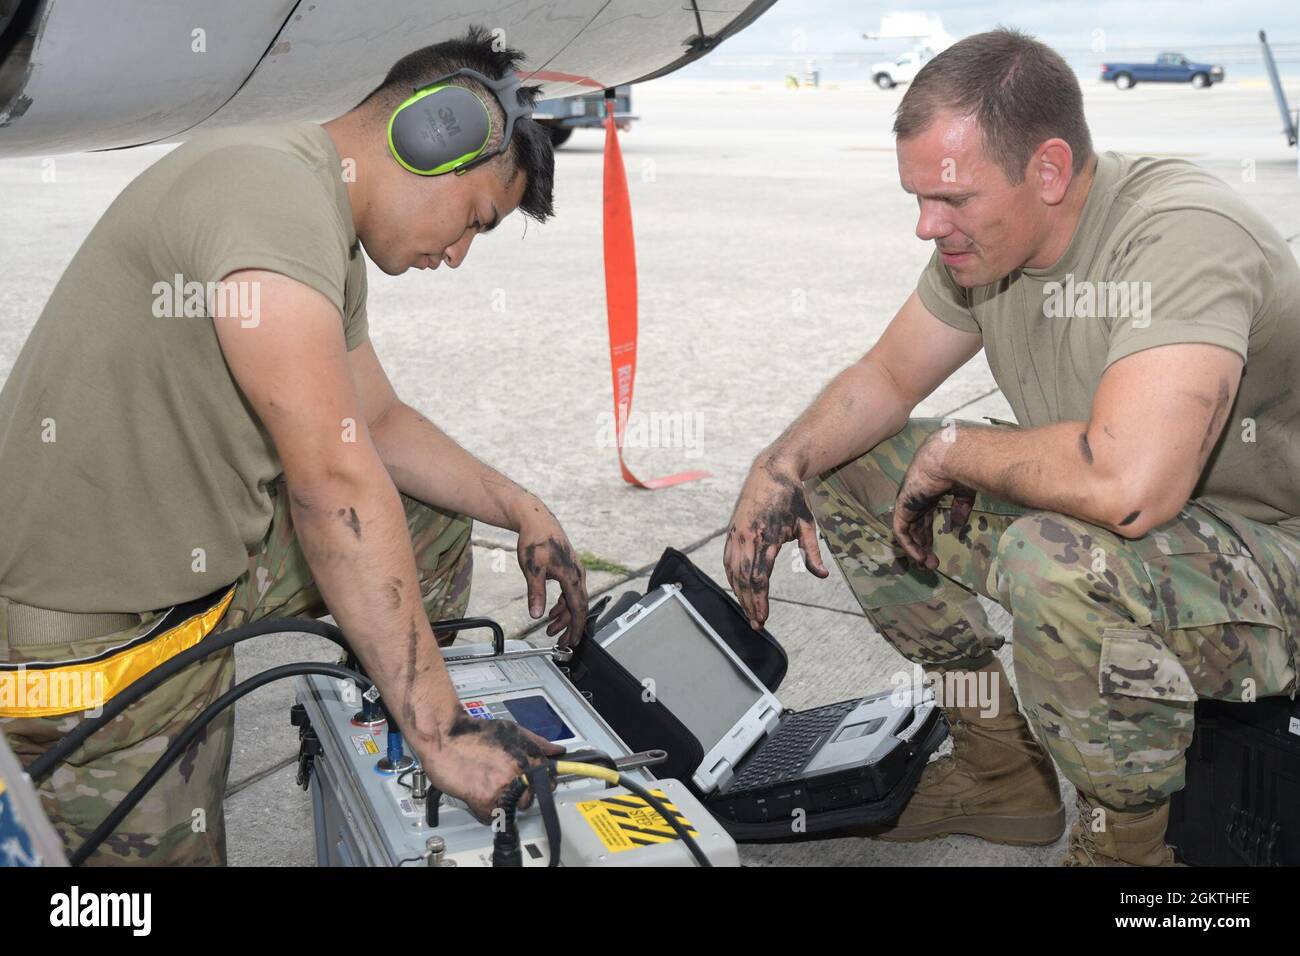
(667, 645)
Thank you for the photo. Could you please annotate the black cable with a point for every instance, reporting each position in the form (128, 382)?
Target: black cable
(44, 765)
(192, 730)
(539, 778)
(505, 844)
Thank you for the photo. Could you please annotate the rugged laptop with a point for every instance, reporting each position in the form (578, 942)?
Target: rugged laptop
(763, 763)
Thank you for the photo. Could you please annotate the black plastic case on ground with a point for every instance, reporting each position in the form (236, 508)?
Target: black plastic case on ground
(1241, 804)
(645, 724)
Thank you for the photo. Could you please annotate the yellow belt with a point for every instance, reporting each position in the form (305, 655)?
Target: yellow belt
(51, 689)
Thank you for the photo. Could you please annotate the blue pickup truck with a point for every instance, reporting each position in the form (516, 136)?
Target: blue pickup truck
(1168, 68)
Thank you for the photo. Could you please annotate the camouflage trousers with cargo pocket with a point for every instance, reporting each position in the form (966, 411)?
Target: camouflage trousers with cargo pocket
(1113, 639)
(181, 821)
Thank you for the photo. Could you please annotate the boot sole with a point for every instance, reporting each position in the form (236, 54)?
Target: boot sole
(1032, 830)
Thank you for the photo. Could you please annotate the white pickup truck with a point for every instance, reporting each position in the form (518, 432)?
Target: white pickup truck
(889, 73)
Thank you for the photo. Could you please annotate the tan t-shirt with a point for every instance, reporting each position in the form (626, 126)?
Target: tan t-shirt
(133, 474)
(1164, 253)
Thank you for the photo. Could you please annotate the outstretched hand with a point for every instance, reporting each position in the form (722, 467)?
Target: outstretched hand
(770, 511)
(545, 554)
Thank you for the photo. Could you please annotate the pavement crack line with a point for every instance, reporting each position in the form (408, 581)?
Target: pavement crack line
(772, 599)
(251, 779)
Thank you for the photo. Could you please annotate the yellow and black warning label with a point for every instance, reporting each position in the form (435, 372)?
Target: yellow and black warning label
(626, 822)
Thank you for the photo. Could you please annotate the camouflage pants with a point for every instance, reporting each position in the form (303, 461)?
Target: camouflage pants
(1113, 639)
(182, 821)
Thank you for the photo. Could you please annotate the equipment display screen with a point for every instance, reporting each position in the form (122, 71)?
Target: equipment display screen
(539, 716)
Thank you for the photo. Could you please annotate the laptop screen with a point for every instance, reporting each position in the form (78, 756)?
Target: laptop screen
(693, 677)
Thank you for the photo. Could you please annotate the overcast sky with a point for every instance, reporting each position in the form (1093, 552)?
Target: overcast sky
(838, 25)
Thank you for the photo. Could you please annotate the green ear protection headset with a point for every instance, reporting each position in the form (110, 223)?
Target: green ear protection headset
(443, 128)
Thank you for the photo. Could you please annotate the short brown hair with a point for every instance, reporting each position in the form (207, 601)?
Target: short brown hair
(1020, 91)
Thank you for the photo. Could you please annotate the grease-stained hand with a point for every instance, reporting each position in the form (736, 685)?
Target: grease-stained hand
(545, 554)
(918, 497)
(770, 511)
(477, 761)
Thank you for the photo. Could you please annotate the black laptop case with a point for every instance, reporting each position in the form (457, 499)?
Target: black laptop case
(646, 724)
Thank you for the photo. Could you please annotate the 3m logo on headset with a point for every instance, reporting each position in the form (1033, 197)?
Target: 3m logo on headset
(441, 129)
(449, 121)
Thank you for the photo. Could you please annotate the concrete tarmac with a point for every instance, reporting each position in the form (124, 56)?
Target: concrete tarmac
(774, 244)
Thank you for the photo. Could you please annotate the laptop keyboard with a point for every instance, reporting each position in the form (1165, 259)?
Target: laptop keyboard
(785, 753)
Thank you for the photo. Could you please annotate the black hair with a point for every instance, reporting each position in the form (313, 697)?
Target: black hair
(530, 150)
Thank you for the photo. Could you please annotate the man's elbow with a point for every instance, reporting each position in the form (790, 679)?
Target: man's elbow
(323, 479)
(390, 414)
(1132, 512)
(1136, 523)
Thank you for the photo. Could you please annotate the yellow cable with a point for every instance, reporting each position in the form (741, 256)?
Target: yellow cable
(574, 769)
(587, 770)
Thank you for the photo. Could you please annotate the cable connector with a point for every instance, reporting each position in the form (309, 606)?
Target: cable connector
(309, 745)
(505, 844)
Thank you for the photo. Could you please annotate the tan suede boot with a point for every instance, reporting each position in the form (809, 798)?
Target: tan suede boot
(1125, 837)
(998, 783)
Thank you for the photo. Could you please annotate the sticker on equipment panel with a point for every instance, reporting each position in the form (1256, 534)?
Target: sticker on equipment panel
(516, 672)
(626, 822)
(1293, 725)
(474, 676)
(365, 744)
